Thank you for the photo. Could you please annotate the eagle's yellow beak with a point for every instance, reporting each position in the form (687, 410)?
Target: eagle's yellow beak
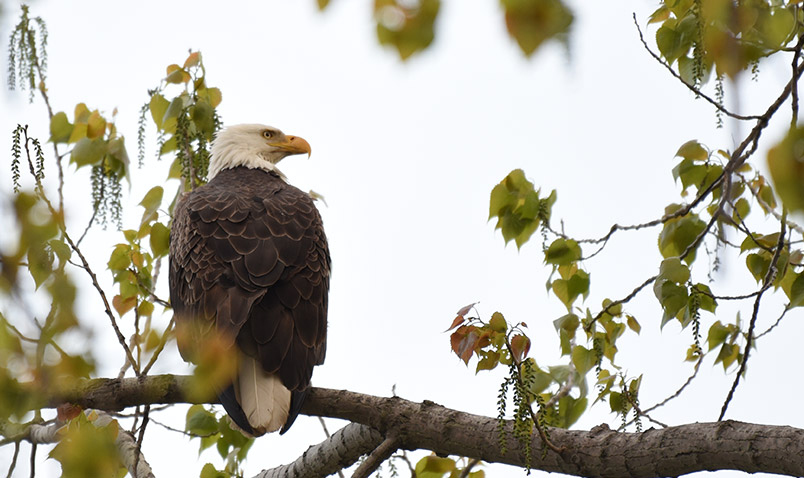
(293, 145)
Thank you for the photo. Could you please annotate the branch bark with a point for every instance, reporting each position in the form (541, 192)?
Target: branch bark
(673, 451)
(339, 451)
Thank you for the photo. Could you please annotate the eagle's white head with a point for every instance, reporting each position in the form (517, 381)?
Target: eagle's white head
(253, 146)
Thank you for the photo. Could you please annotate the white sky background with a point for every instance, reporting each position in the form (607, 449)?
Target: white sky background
(406, 155)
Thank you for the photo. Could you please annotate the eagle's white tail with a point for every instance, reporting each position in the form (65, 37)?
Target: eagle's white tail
(263, 398)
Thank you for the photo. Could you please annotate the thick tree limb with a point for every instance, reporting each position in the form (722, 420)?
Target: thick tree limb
(672, 451)
(339, 451)
(126, 445)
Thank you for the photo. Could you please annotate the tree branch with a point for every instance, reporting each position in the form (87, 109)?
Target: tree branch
(671, 451)
(330, 456)
(377, 457)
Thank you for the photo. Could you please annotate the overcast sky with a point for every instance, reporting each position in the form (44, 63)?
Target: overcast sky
(406, 155)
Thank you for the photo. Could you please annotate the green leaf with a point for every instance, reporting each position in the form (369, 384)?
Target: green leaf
(60, 128)
(409, 28)
(705, 300)
(489, 361)
(434, 464)
(518, 208)
(120, 258)
(693, 150)
(678, 234)
(86, 450)
(616, 402)
(571, 409)
(758, 265)
(670, 43)
(202, 115)
(673, 270)
(209, 471)
(210, 95)
(583, 359)
(62, 250)
(158, 106)
(160, 239)
(177, 75)
(88, 152)
(796, 290)
(81, 113)
(729, 353)
(690, 173)
(532, 22)
(786, 164)
(672, 297)
(152, 199)
(173, 111)
(117, 148)
(633, 324)
(568, 322)
(40, 263)
(96, 125)
(717, 335)
(199, 421)
(776, 26)
(498, 323)
(567, 290)
(562, 252)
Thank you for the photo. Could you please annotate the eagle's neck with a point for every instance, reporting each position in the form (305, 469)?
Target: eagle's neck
(230, 155)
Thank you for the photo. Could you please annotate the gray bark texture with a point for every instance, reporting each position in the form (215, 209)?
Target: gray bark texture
(673, 451)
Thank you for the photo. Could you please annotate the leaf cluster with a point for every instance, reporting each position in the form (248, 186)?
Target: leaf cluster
(212, 429)
(185, 122)
(722, 35)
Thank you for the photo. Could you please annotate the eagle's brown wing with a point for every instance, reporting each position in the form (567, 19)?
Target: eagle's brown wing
(248, 256)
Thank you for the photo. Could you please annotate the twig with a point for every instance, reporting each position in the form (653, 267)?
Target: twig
(472, 463)
(33, 460)
(627, 298)
(692, 88)
(681, 389)
(775, 324)
(766, 284)
(377, 457)
(326, 432)
(89, 225)
(13, 459)
(84, 265)
(766, 207)
(138, 451)
(160, 347)
(794, 90)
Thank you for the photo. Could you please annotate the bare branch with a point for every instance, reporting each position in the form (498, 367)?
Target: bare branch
(377, 457)
(766, 284)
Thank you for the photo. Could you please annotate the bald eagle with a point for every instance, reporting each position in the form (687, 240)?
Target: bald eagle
(249, 262)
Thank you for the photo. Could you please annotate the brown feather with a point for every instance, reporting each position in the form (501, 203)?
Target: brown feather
(249, 257)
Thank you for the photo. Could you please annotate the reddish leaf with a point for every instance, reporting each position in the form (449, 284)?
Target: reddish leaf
(520, 345)
(123, 305)
(67, 411)
(464, 341)
(458, 321)
(465, 309)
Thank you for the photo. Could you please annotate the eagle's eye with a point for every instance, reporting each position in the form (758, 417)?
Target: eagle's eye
(267, 134)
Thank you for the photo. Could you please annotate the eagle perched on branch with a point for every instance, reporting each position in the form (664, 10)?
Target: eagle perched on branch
(249, 265)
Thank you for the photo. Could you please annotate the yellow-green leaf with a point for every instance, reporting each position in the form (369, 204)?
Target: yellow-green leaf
(60, 128)
(160, 238)
(532, 22)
